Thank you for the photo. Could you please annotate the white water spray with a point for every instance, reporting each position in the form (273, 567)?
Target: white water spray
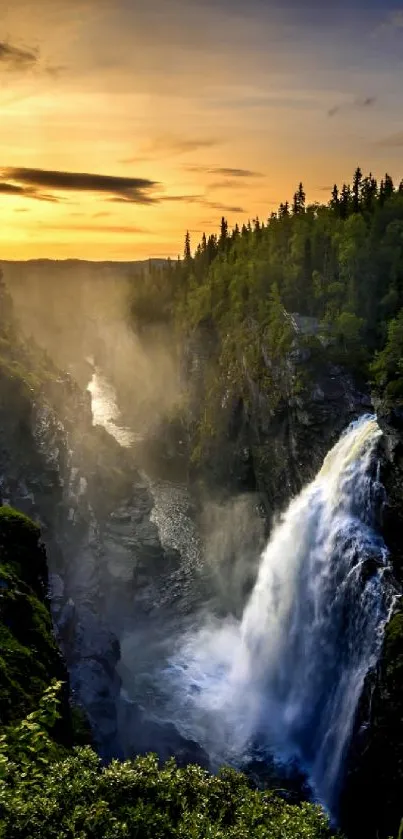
(288, 677)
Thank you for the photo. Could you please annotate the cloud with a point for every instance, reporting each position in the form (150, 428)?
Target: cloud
(225, 171)
(393, 23)
(189, 199)
(11, 189)
(204, 202)
(15, 58)
(224, 207)
(224, 184)
(365, 102)
(29, 181)
(55, 70)
(172, 146)
(391, 141)
(96, 228)
(396, 19)
(23, 192)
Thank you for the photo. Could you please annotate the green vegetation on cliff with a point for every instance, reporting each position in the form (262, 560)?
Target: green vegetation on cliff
(339, 266)
(44, 795)
(29, 655)
(50, 791)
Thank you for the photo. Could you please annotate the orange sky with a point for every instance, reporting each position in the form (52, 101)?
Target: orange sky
(191, 110)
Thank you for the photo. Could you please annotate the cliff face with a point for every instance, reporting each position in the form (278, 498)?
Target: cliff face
(29, 654)
(272, 434)
(372, 803)
(94, 514)
(107, 566)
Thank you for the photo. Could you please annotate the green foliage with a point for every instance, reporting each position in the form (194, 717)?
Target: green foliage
(19, 545)
(29, 656)
(46, 795)
(387, 367)
(340, 264)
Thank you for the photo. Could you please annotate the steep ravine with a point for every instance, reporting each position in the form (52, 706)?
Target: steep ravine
(116, 579)
(103, 549)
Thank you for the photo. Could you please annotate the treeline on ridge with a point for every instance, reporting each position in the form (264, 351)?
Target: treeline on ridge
(340, 263)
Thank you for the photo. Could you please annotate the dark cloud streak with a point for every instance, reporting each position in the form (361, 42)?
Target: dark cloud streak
(24, 192)
(97, 228)
(171, 147)
(29, 181)
(366, 102)
(393, 141)
(225, 171)
(203, 202)
(15, 58)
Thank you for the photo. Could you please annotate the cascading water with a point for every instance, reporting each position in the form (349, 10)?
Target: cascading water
(289, 675)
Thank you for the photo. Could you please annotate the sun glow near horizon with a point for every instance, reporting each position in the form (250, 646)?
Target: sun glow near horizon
(192, 111)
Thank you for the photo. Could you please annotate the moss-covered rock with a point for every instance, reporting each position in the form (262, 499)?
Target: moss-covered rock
(21, 550)
(29, 655)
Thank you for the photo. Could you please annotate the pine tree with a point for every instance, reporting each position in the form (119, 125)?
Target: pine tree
(344, 203)
(235, 233)
(223, 233)
(334, 201)
(187, 251)
(357, 189)
(369, 190)
(388, 187)
(299, 201)
(211, 248)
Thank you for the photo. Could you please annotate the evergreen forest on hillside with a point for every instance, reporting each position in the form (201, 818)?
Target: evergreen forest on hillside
(339, 266)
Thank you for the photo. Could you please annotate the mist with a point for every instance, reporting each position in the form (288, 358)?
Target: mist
(174, 556)
(80, 314)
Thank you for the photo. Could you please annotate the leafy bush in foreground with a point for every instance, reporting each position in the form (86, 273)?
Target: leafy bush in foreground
(46, 794)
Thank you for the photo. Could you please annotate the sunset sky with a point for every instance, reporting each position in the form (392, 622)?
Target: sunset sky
(123, 122)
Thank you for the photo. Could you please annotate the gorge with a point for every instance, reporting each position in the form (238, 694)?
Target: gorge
(224, 599)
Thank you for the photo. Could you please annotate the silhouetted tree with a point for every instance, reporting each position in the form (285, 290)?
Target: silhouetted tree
(345, 200)
(223, 233)
(298, 205)
(388, 187)
(334, 201)
(357, 189)
(187, 252)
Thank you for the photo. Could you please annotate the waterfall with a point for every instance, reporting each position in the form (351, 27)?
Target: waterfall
(289, 675)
